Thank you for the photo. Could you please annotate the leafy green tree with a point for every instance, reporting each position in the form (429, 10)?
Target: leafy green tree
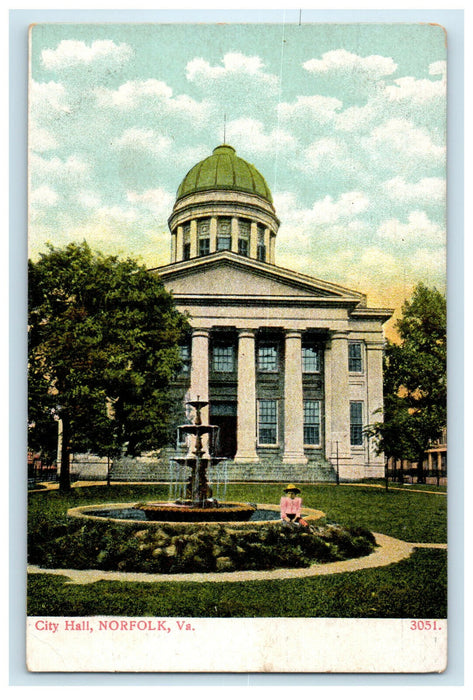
(415, 379)
(103, 349)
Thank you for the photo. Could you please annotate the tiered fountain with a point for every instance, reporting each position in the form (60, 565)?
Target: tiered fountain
(198, 505)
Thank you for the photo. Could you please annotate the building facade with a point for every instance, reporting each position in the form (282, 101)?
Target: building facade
(291, 365)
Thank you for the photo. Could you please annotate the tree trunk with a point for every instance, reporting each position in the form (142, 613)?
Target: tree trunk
(420, 469)
(65, 475)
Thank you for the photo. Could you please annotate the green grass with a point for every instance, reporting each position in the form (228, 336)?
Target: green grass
(415, 587)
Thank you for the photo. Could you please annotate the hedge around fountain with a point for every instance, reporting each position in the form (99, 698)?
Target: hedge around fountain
(87, 542)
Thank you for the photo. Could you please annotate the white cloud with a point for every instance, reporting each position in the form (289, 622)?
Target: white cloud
(438, 68)
(47, 97)
(43, 196)
(324, 152)
(328, 210)
(418, 229)
(249, 136)
(416, 91)
(314, 108)
(117, 215)
(323, 212)
(88, 200)
(428, 189)
(72, 168)
(154, 96)
(40, 139)
(342, 61)
(199, 71)
(143, 139)
(71, 53)
(157, 201)
(129, 94)
(401, 140)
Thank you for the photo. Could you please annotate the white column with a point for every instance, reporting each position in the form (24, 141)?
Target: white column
(199, 379)
(267, 244)
(246, 413)
(213, 234)
(179, 253)
(254, 240)
(194, 248)
(272, 246)
(293, 404)
(374, 381)
(340, 401)
(234, 234)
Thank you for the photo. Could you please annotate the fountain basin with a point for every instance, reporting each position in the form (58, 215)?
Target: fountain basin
(189, 513)
(127, 513)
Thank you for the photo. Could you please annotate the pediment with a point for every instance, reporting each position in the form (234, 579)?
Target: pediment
(227, 273)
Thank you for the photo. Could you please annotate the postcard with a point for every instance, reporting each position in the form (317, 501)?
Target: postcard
(237, 451)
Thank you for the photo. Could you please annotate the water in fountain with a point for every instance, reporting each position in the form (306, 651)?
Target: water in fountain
(196, 501)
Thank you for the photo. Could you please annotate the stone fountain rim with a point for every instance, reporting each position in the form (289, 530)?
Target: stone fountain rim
(81, 512)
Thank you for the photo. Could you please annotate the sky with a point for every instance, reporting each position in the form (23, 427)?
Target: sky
(347, 123)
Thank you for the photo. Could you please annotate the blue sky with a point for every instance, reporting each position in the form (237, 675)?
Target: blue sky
(345, 121)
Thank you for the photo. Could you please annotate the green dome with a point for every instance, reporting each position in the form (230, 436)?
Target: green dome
(223, 170)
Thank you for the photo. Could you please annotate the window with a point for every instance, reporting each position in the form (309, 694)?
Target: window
(223, 358)
(356, 422)
(310, 358)
(354, 357)
(224, 243)
(186, 251)
(267, 422)
(185, 355)
(203, 234)
(204, 246)
(268, 357)
(242, 246)
(260, 248)
(224, 234)
(311, 422)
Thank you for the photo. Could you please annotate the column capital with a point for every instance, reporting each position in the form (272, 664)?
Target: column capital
(339, 335)
(202, 332)
(292, 333)
(246, 332)
(374, 345)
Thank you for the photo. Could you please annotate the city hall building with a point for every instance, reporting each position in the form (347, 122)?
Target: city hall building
(291, 365)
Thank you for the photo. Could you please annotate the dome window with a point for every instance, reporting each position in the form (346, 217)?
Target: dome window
(224, 234)
(203, 233)
(261, 247)
(186, 249)
(244, 228)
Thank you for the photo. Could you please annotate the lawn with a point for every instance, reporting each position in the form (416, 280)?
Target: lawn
(412, 588)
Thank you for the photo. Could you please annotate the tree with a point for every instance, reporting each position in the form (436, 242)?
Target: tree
(103, 348)
(415, 382)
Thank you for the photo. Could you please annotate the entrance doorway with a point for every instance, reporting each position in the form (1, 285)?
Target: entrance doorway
(223, 414)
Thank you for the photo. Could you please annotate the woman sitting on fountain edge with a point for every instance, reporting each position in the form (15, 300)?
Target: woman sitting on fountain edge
(291, 505)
